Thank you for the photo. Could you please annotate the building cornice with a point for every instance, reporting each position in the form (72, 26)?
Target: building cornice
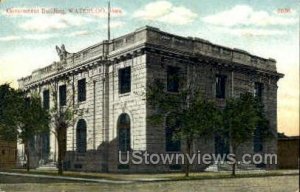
(153, 38)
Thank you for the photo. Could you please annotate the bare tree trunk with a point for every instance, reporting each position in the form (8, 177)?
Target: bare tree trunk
(61, 138)
(233, 169)
(60, 163)
(233, 151)
(187, 164)
(27, 156)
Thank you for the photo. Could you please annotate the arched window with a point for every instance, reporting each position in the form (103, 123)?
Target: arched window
(172, 125)
(81, 136)
(124, 132)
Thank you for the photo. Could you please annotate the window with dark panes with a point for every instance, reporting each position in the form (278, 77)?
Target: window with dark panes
(258, 89)
(46, 99)
(173, 75)
(220, 86)
(124, 132)
(125, 80)
(62, 95)
(81, 136)
(81, 90)
(45, 139)
(257, 140)
(27, 102)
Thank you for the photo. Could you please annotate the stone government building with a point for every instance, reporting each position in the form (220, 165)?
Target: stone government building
(104, 83)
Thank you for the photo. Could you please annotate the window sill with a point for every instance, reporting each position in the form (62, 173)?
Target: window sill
(173, 92)
(81, 102)
(124, 94)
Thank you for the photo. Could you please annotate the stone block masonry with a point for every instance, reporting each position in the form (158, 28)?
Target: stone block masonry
(117, 74)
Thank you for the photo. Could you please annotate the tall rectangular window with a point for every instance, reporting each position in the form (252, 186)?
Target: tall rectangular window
(258, 89)
(258, 140)
(220, 86)
(46, 99)
(62, 95)
(125, 80)
(81, 90)
(173, 74)
(27, 102)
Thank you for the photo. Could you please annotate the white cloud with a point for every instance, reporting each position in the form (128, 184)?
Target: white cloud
(10, 38)
(39, 36)
(154, 10)
(247, 16)
(251, 31)
(79, 33)
(28, 36)
(117, 24)
(166, 12)
(114, 25)
(54, 22)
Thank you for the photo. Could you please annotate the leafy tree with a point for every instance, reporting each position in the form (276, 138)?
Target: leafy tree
(21, 117)
(241, 117)
(263, 124)
(200, 119)
(34, 121)
(10, 107)
(62, 118)
(195, 116)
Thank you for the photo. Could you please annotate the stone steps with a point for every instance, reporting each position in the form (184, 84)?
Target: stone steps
(224, 166)
(48, 166)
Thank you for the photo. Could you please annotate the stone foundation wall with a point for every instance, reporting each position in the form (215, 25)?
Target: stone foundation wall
(8, 152)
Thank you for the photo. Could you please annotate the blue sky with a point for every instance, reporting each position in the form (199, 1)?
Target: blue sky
(266, 28)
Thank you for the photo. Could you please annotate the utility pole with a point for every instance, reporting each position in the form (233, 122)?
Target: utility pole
(108, 21)
(108, 30)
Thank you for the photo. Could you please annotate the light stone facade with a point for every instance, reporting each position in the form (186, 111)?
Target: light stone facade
(148, 51)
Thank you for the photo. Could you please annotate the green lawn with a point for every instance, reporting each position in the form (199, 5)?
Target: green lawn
(270, 184)
(163, 176)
